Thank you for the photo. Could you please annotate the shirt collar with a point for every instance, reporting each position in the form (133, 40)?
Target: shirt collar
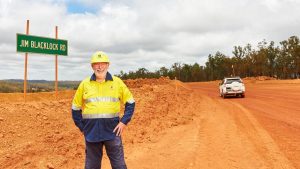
(108, 77)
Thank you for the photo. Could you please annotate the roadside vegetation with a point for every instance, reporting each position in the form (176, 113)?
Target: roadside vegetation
(11, 86)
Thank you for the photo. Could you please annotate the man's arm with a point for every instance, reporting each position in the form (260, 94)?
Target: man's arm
(77, 107)
(128, 112)
(129, 109)
(77, 118)
(126, 97)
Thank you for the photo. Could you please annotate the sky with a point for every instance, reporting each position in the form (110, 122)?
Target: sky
(138, 33)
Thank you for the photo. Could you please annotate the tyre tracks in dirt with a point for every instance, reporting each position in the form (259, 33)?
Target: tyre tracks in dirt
(234, 138)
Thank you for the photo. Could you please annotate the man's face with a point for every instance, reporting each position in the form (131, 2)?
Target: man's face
(100, 69)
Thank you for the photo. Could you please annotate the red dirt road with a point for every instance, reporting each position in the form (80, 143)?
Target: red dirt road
(269, 117)
(175, 126)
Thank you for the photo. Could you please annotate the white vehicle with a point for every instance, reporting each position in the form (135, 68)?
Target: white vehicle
(232, 86)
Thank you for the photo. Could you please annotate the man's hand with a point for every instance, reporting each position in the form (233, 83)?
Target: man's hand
(119, 129)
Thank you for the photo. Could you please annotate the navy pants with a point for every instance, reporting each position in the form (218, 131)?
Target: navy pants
(114, 150)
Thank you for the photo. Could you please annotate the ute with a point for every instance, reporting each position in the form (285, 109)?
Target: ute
(232, 86)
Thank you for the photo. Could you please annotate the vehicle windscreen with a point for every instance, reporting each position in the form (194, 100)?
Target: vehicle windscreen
(229, 81)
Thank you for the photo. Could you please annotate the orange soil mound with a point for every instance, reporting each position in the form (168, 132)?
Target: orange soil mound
(41, 134)
(140, 82)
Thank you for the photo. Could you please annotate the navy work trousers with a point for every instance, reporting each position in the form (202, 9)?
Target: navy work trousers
(114, 150)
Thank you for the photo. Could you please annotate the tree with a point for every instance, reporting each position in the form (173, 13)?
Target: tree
(239, 54)
(285, 60)
(163, 71)
(175, 69)
(272, 54)
(210, 67)
(292, 49)
(185, 73)
(195, 73)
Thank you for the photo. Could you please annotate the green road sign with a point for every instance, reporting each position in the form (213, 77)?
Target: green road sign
(36, 44)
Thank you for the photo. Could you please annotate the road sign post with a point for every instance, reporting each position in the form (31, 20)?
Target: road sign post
(42, 45)
(26, 59)
(56, 65)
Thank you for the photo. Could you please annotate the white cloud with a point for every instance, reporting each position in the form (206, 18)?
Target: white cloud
(136, 34)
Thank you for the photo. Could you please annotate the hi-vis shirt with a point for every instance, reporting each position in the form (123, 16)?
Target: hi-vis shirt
(96, 107)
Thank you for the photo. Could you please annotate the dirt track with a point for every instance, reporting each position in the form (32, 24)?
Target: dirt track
(259, 131)
(191, 127)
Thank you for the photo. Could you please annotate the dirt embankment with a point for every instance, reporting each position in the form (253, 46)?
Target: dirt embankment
(41, 134)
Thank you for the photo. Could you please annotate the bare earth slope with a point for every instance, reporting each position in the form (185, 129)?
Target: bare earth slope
(175, 126)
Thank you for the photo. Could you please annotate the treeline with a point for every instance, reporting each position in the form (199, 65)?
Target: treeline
(11, 86)
(282, 62)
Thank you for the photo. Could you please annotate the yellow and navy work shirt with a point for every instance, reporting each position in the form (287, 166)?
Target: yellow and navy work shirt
(96, 107)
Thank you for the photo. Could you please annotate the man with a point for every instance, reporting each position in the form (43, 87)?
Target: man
(95, 111)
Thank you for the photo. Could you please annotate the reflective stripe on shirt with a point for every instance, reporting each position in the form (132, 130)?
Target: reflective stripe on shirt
(130, 101)
(75, 107)
(102, 99)
(99, 116)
